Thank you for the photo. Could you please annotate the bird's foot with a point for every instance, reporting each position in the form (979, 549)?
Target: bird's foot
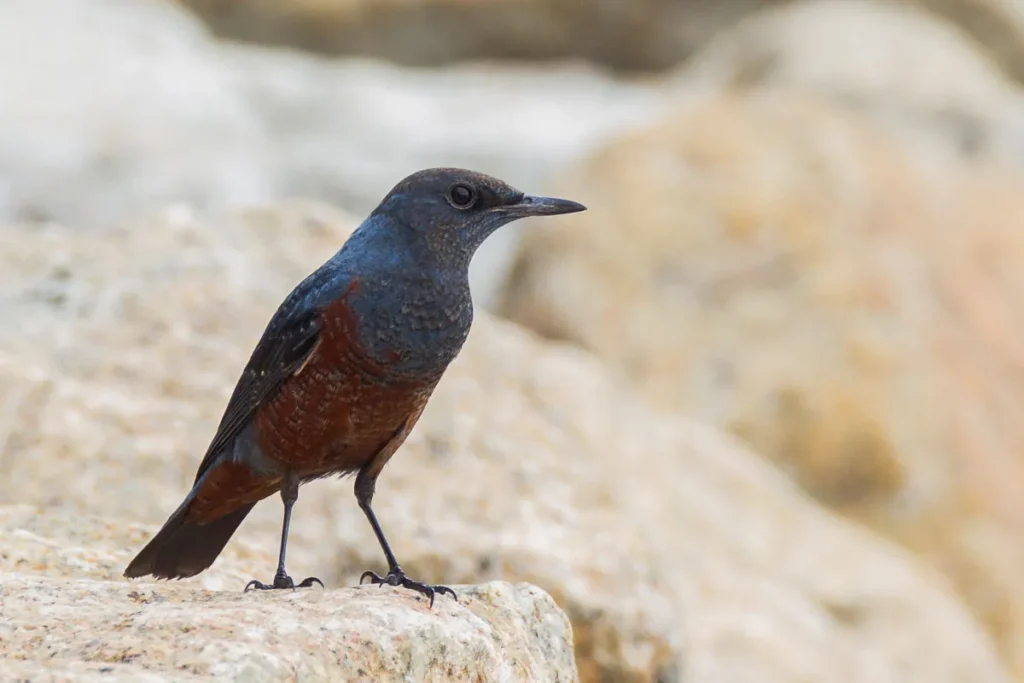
(396, 577)
(281, 580)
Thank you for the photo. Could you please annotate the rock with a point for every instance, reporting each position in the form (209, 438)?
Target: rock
(216, 125)
(86, 627)
(996, 24)
(779, 268)
(925, 79)
(676, 553)
(627, 34)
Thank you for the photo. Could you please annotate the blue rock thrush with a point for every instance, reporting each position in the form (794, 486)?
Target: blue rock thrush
(345, 368)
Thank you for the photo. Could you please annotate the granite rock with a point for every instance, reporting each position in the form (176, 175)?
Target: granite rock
(676, 552)
(66, 616)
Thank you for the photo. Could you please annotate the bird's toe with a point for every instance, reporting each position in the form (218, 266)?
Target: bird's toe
(427, 590)
(309, 581)
(445, 590)
(281, 582)
(396, 577)
(374, 578)
(256, 585)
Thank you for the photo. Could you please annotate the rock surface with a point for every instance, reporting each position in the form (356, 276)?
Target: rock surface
(214, 124)
(776, 266)
(66, 614)
(677, 554)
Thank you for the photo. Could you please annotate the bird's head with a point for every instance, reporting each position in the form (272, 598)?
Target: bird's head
(454, 210)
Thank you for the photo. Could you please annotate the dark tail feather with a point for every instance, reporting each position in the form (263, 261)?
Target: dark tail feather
(182, 549)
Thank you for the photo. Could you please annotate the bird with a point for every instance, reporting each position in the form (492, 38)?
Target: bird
(344, 369)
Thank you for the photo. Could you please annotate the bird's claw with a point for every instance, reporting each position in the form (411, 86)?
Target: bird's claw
(396, 577)
(282, 581)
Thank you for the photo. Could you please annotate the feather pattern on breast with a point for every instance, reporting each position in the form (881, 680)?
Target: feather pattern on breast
(342, 406)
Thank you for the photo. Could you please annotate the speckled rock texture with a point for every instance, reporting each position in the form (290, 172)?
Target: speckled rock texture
(67, 616)
(777, 265)
(677, 554)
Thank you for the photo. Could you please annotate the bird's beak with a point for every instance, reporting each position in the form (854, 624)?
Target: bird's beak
(544, 206)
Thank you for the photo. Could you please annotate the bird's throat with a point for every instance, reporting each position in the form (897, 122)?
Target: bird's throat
(417, 325)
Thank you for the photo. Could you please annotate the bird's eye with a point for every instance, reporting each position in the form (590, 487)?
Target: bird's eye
(461, 196)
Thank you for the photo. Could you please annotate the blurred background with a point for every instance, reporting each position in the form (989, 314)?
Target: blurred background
(805, 233)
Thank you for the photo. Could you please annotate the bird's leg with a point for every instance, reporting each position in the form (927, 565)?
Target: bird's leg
(289, 494)
(365, 484)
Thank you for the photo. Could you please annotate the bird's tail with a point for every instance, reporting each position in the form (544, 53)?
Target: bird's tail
(182, 548)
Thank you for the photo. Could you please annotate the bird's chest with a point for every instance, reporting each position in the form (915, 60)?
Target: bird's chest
(414, 327)
(345, 403)
(380, 353)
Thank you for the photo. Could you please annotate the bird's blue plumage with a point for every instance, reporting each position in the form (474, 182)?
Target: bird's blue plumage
(345, 365)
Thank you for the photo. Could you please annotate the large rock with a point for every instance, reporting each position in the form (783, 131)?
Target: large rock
(924, 79)
(164, 632)
(774, 266)
(112, 108)
(677, 554)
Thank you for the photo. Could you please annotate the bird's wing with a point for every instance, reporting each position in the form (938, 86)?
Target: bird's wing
(286, 344)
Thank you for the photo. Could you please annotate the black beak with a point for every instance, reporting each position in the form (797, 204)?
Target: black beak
(544, 206)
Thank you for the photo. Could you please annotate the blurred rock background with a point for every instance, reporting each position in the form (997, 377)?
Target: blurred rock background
(804, 248)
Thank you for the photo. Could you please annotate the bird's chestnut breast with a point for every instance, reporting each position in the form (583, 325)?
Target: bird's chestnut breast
(343, 404)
